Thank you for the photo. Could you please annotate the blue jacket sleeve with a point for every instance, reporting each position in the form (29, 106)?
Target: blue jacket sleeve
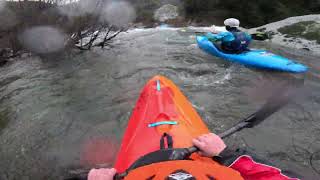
(223, 36)
(249, 37)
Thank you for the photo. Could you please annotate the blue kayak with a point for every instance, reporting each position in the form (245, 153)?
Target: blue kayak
(254, 58)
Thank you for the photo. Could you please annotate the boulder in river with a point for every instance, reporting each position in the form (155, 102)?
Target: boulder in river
(166, 12)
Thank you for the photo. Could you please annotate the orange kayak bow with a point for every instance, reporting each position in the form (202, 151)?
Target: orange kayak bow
(161, 108)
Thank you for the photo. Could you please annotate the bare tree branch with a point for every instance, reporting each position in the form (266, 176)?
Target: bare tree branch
(115, 34)
(83, 30)
(102, 44)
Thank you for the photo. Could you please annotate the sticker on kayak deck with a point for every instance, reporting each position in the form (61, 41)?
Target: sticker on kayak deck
(163, 123)
(266, 54)
(158, 85)
(180, 176)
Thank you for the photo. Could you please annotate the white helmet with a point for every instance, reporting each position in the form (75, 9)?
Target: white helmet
(232, 22)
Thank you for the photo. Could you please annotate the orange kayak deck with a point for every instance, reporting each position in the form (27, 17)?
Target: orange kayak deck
(161, 108)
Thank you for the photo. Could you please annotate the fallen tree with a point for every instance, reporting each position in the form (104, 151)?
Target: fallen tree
(83, 23)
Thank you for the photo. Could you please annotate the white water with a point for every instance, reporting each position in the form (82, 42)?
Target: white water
(54, 106)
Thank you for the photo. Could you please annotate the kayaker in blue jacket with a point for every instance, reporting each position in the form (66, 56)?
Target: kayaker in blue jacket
(233, 41)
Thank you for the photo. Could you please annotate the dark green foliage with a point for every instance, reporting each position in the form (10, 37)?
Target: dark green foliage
(145, 9)
(254, 13)
(195, 6)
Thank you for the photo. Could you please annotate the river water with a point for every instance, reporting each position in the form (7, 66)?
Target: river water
(50, 108)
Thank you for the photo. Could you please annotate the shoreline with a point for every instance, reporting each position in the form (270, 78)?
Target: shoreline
(291, 41)
(277, 37)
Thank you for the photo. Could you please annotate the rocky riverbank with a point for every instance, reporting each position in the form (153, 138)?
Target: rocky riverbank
(301, 32)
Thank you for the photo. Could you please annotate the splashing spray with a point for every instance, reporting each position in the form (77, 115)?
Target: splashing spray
(43, 39)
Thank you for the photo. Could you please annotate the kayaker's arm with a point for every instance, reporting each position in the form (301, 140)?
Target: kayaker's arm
(225, 36)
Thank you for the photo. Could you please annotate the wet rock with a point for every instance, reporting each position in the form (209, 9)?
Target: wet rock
(4, 55)
(260, 36)
(138, 25)
(309, 30)
(6, 52)
(166, 12)
(262, 29)
(179, 22)
(25, 55)
(3, 62)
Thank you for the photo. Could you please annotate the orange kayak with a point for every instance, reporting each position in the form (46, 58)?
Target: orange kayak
(161, 108)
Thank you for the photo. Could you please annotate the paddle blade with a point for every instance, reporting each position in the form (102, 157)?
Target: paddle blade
(276, 101)
(279, 98)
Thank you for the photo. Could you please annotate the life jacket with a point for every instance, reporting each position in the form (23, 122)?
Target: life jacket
(251, 170)
(239, 44)
(184, 169)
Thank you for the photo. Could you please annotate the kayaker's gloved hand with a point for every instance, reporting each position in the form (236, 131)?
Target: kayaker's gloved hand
(102, 174)
(209, 144)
